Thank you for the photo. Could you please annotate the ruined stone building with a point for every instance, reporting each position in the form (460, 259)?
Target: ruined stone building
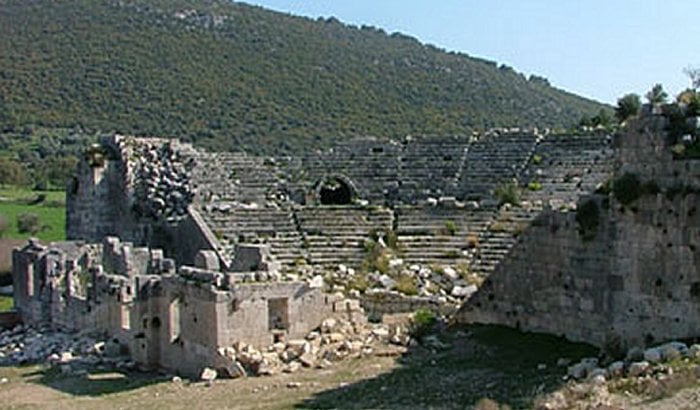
(215, 248)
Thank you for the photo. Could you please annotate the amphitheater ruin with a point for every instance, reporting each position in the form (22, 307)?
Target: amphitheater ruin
(178, 252)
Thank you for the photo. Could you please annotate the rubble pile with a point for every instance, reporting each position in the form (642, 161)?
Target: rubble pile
(162, 182)
(334, 340)
(72, 353)
(651, 372)
(439, 283)
(637, 363)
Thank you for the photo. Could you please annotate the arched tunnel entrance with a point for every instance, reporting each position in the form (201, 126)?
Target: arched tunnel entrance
(335, 191)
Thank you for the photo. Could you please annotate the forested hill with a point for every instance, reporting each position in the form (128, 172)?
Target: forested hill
(232, 76)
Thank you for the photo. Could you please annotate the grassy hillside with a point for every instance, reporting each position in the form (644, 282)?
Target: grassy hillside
(231, 76)
(49, 208)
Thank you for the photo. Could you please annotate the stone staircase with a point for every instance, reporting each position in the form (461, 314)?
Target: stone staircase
(272, 226)
(234, 177)
(499, 235)
(336, 235)
(430, 167)
(439, 235)
(566, 167)
(493, 160)
(235, 190)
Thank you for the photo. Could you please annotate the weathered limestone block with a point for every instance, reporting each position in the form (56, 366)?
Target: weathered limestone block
(207, 259)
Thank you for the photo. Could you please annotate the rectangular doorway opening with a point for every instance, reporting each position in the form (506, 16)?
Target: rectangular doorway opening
(278, 314)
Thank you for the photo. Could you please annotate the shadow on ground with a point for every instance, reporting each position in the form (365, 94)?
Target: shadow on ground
(475, 362)
(94, 383)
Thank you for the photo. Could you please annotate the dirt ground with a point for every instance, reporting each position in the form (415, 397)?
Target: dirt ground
(454, 371)
(31, 388)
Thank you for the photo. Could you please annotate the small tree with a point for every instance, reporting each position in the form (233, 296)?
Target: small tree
(12, 172)
(656, 95)
(602, 119)
(627, 106)
(694, 75)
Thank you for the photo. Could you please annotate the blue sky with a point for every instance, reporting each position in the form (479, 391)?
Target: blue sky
(595, 48)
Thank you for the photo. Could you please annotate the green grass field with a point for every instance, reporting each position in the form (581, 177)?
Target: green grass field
(51, 212)
(6, 303)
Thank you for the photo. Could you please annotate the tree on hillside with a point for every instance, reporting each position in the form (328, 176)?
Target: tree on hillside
(602, 119)
(627, 106)
(12, 172)
(694, 75)
(656, 95)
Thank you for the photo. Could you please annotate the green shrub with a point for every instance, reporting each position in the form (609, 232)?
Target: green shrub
(389, 237)
(498, 226)
(28, 222)
(534, 186)
(588, 219)
(359, 282)
(392, 240)
(438, 269)
(422, 322)
(508, 193)
(381, 264)
(452, 254)
(537, 159)
(450, 228)
(406, 284)
(377, 258)
(627, 188)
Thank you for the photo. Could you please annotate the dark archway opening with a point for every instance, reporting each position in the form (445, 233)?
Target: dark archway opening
(335, 192)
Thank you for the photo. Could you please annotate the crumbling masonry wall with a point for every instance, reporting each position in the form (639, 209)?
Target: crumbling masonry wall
(166, 318)
(631, 279)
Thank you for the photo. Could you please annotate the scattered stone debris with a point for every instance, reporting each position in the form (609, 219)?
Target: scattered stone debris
(637, 363)
(644, 371)
(335, 340)
(72, 353)
(441, 284)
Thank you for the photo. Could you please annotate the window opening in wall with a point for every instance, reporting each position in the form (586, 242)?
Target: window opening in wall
(174, 319)
(125, 317)
(278, 314)
(30, 280)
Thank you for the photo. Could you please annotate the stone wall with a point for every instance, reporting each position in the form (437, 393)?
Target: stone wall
(630, 278)
(551, 281)
(382, 303)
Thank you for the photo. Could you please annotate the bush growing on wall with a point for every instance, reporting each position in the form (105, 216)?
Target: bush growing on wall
(627, 188)
(588, 219)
